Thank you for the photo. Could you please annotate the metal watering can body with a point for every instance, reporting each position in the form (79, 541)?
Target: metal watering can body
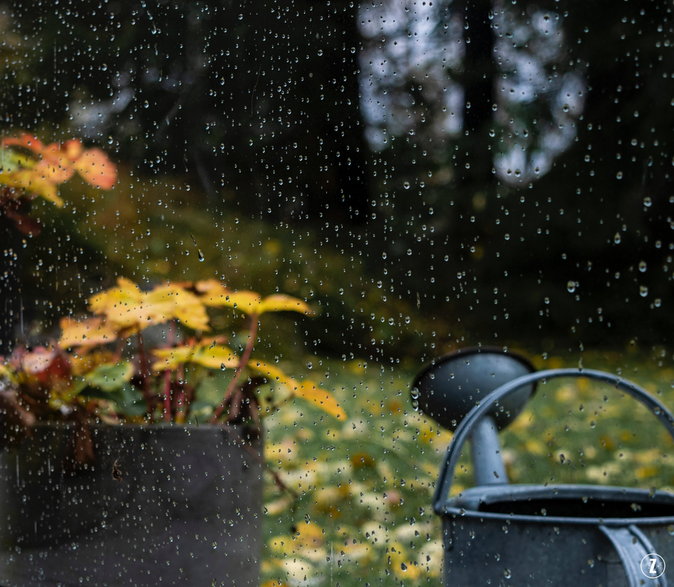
(501, 534)
(550, 535)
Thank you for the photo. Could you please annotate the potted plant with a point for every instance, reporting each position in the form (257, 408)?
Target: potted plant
(134, 441)
(131, 446)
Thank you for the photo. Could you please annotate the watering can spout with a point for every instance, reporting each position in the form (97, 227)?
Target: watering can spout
(488, 466)
(452, 385)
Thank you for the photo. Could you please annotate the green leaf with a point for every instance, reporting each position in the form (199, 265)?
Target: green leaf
(110, 376)
(10, 160)
(129, 401)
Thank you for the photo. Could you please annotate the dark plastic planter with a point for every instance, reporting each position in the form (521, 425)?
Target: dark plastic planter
(161, 505)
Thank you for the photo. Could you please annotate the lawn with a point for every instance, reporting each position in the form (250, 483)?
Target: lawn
(364, 515)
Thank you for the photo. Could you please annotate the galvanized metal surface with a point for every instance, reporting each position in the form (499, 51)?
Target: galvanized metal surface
(161, 505)
(552, 535)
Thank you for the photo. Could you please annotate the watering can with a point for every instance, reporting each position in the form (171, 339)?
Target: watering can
(496, 533)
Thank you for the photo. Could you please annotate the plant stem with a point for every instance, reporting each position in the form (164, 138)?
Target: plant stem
(182, 406)
(144, 372)
(170, 338)
(167, 396)
(243, 361)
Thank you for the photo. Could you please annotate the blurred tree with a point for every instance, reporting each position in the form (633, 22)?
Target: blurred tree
(553, 211)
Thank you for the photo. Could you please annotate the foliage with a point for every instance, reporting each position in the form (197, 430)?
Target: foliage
(147, 356)
(29, 169)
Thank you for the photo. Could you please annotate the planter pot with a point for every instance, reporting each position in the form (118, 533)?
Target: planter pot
(159, 505)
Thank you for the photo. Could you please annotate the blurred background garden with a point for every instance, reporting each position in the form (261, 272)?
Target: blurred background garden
(426, 175)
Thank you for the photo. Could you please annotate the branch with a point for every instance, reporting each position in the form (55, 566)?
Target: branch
(243, 361)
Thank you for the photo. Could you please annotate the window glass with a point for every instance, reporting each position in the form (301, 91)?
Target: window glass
(427, 176)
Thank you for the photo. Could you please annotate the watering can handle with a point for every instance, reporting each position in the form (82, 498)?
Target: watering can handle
(466, 426)
(634, 548)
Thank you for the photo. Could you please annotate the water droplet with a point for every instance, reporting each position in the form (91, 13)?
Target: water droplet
(643, 291)
(642, 266)
(571, 286)
(617, 238)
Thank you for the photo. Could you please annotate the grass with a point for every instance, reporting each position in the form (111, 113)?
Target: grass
(365, 486)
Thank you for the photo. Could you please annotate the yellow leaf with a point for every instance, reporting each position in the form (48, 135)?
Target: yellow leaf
(363, 460)
(213, 356)
(273, 374)
(11, 160)
(212, 291)
(126, 306)
(33, 182)
(246, 301)
(122, 305)
(216, 357)
(309, 535)
(646, 471)
(307, 390)
(84, 363)
(282, 302)
(126, 293)
(322, 398)
(402, 566)
(217, 295)
(5, 372)
(86, 333)
(172, 301)
(172, 358)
